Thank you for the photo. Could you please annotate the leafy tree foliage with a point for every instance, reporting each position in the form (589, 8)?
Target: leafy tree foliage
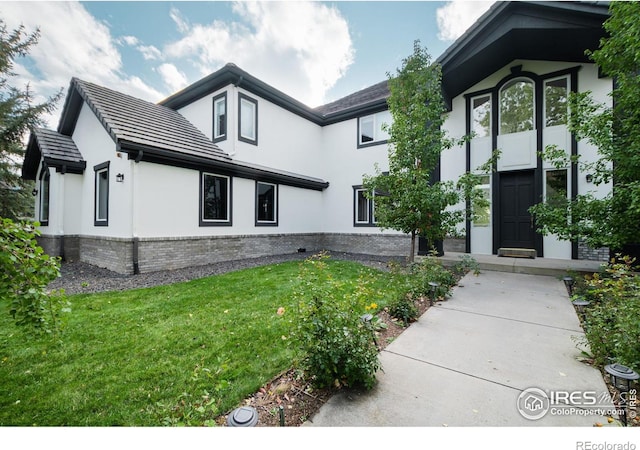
(25, 272)
(18, 114)
(611, 220)
(407, 198)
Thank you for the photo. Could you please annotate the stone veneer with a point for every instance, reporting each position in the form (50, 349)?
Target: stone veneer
(156, 254)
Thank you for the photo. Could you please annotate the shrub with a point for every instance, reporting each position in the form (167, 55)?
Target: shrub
(430, 269)
(338, 348)
(403, 308)
(612, 326)
(25, 272)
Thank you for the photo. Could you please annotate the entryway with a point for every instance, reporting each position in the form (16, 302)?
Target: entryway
(517, 194)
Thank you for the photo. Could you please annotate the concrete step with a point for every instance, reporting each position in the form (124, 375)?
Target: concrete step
(517, 252)
(538, 266)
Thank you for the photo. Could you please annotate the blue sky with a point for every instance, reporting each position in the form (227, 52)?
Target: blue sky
(314, 51)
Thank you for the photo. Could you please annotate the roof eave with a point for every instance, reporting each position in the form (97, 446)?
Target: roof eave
(243, 170)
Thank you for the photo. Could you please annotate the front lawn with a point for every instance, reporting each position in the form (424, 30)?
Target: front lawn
(178, 354)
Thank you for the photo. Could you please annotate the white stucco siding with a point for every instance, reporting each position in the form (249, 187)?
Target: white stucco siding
(168, 202)
(345, 165)
(97, 147)
(286, 141)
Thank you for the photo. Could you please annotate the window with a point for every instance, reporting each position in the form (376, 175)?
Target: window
(266, 204)
(45, 178)
(364, 208)
(248, 123)
(555, 102)
(370, 130)
(481, 116)
(220, 117)
(556, 187)
(215, 200)
(101, 205)
(516, 106)
(483, 211)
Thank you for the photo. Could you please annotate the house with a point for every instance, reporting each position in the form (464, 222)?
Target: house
(230, 167)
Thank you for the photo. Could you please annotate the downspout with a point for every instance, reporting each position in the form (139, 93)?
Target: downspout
(135, 250)
(61, 191)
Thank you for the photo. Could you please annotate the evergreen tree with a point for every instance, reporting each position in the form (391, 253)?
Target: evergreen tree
(18, 115)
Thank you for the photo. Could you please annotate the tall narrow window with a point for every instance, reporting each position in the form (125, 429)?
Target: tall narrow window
(362, 207)
(555, 101)
(248, 123)
(556, 187)
(45, 178)
(215, 200)
(517, 106)
(220, 117)
(481, 116)
(266, 203)
(483, 212)
(371, 129)
(101, 218)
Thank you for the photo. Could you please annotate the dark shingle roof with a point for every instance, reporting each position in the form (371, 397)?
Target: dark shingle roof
(130, 120)
(378, 93)
(57, 146)
(57, 150)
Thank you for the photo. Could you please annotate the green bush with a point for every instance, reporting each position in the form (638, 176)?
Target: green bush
(25, 272)
(612, 325)
(430, 270)
(337, 347)
(403, 308)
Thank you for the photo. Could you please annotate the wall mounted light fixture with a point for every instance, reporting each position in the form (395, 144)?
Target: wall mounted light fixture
(34, 192)
(120, 177)
(589, 178)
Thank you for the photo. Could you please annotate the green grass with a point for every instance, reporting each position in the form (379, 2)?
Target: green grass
(178, 354)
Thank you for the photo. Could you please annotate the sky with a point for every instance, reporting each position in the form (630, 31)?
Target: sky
(315, 52)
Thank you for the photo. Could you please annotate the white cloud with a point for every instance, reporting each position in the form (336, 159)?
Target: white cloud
(172, 77)
(72, 43)
(301, 48)
(457, 16)
(149, 52)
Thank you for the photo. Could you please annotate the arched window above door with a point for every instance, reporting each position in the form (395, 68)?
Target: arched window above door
(517, 106)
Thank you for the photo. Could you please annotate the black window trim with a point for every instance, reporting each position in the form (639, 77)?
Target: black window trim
(241, 138)
(96, 170)
(45, 175)
(213, 222)
(276, 209)
(222, 137)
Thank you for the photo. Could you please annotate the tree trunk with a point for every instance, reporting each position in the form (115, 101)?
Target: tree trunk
(413, 247)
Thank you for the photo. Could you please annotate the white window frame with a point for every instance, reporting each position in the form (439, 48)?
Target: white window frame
(379, 135)
(473, 118)
(207, 222)
(544, 100)
(220, 102)
(248, 135)
(101, 199)
(274, 221)
(485, 187)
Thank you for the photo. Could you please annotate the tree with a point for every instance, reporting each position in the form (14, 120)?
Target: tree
(18, 115)
(407, 198)
(613, 220)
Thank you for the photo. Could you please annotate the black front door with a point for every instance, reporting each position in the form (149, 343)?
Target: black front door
(517, 194)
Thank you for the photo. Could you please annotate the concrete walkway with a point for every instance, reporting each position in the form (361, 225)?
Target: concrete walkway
(467, 360)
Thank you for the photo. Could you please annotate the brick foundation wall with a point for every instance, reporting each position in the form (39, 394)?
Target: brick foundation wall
(110, 253)
(156, 254)
(174, 253)
(592, 254)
